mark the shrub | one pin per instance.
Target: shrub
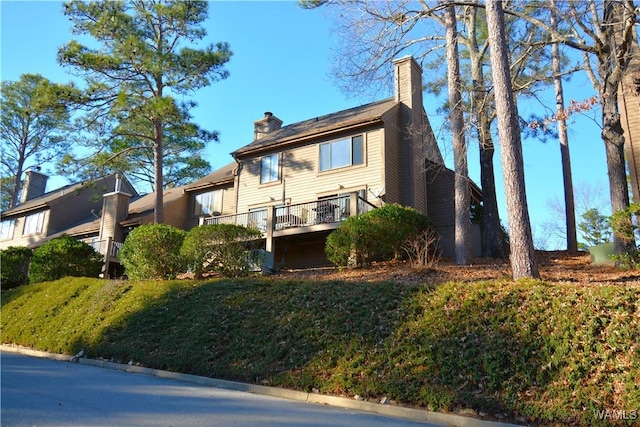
(15, 266)
(227, 249)
(153, 252)
(64, 256)
(376, 235)
(625, 225)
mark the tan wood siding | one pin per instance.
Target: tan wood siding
(30, 240)
(392, 157)
(174, 213)
(300, 181)
(629, 102)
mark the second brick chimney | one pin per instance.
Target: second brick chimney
(34, 185)
(267, 124)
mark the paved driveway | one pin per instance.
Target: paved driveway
(42, 392)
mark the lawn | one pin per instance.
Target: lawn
(453, 339)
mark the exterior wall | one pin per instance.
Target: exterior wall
(441, 211)
(301, 180)
(30, 240)
(228, 203)
(392, 159)
(174, 213)
(115, 208)
(62, 212)
(413, 124)
(629, 104)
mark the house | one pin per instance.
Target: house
(295, 183)
(298, 182)
(629, 107)
(41, 215)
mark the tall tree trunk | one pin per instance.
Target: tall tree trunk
(492, 241)
(569, 206)
(17, 183)
(523, 261)
(158, 213)
(610, 69)
(462, 198)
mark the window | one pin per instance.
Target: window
(6, 229)
(208, 203)
(341, 153)
(33, 223)
(269, 169)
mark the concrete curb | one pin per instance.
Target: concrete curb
(439, 418)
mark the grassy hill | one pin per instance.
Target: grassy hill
(528, 351)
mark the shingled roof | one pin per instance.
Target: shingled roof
(318, 126)
(219, 176)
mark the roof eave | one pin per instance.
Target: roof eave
(296, 139)
(229, 180)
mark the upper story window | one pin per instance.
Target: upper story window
(33, 223)
(6, 229)
(341, 153)
(269, 170)
(209, 203)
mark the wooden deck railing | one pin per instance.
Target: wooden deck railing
(107, 247)
(325, 211)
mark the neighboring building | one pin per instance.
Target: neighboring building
(40, 215)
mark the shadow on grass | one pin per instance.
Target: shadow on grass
(547, 352)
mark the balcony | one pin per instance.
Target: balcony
(108, 248)
(318, 215)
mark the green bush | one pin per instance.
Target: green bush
(625, 225)
(153, 252)
(376, 235)
(227, 249)
(15, 266)
(64, 256)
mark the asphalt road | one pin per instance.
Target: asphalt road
(43, 392)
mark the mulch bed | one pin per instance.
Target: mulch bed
(555, 267)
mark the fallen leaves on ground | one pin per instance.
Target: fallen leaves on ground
(555, 267)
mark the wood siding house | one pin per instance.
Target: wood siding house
(629, 105)
(298, 182)
(40, 216)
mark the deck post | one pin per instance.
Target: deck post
(353, 203)
(269, 261)
(106, 251)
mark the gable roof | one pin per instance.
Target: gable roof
(322, 125)
(221, 176)
(99, 185)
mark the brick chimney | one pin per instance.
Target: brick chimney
(417, 138)
(34, 185)
(267, 124)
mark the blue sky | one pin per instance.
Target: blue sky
(281, 62)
